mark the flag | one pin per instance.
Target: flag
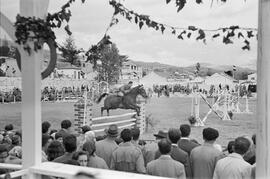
(234, 68)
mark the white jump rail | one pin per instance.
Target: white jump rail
(113, 117)
(116, 122)
(120, 127)
(10, 166)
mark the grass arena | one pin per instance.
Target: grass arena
(163, 112)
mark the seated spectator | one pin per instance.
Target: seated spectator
(127, 157)
(185, 143)
(165, 166)
(104, 148)
(234, 166)
(55, 149)
(203, 158)
(45, 127)
(94, 160)
(70, 145)
(81, 157)
(177, 153)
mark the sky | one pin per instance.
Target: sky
(90, 20)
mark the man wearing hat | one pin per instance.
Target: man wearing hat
(105, 148)
(149, 151)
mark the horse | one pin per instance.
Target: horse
(128, 101)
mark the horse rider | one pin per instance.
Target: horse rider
(125, 89)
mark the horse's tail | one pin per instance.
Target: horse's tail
(102, 96)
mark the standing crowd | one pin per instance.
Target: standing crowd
(173, 154)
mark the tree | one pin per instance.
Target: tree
(198, 66)
(109, 63)
(70, 52)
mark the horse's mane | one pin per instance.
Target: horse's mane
(134, 89)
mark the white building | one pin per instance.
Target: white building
(67, 70)
(252, 77)
(220, 78)
(130, 72)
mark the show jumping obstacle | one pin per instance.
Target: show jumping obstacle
(84, 116)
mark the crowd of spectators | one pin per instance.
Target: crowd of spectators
(172, 154)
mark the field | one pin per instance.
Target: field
(165, 112)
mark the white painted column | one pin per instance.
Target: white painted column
(263, 98)
(31, 94)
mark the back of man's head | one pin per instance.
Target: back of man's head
(164, 146)
(174, 135)
(126, 135)
(210, 134)
(185, 130)
(65, 124)
(45, 127)
(70, 143)
(135, 133)
(9, 127)
(241, 145)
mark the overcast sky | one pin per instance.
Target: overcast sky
(90, 20)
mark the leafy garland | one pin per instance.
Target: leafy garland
(226, 33)
(35, 29)
(180, 4)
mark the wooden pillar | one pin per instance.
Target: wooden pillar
(263, 98)
(31, 94)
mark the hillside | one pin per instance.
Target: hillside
(206, 69)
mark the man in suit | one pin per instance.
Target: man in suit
(149, 150)
(165, 166)
(127, 157)
(204, 158)
(185, 143)
(177, 153)
(105, 147)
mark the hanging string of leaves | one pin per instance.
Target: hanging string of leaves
(180, 4)
(227, 34)
(34, 29)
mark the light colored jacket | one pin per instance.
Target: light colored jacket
(128, 158)
(233, 167)
(165, 166)
(105, 148)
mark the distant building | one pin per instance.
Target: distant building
(220, 78)
(130, 72)
(66, 70)
(252, 77)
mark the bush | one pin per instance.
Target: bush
(192, 120)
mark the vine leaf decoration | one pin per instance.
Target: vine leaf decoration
(226, 34)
